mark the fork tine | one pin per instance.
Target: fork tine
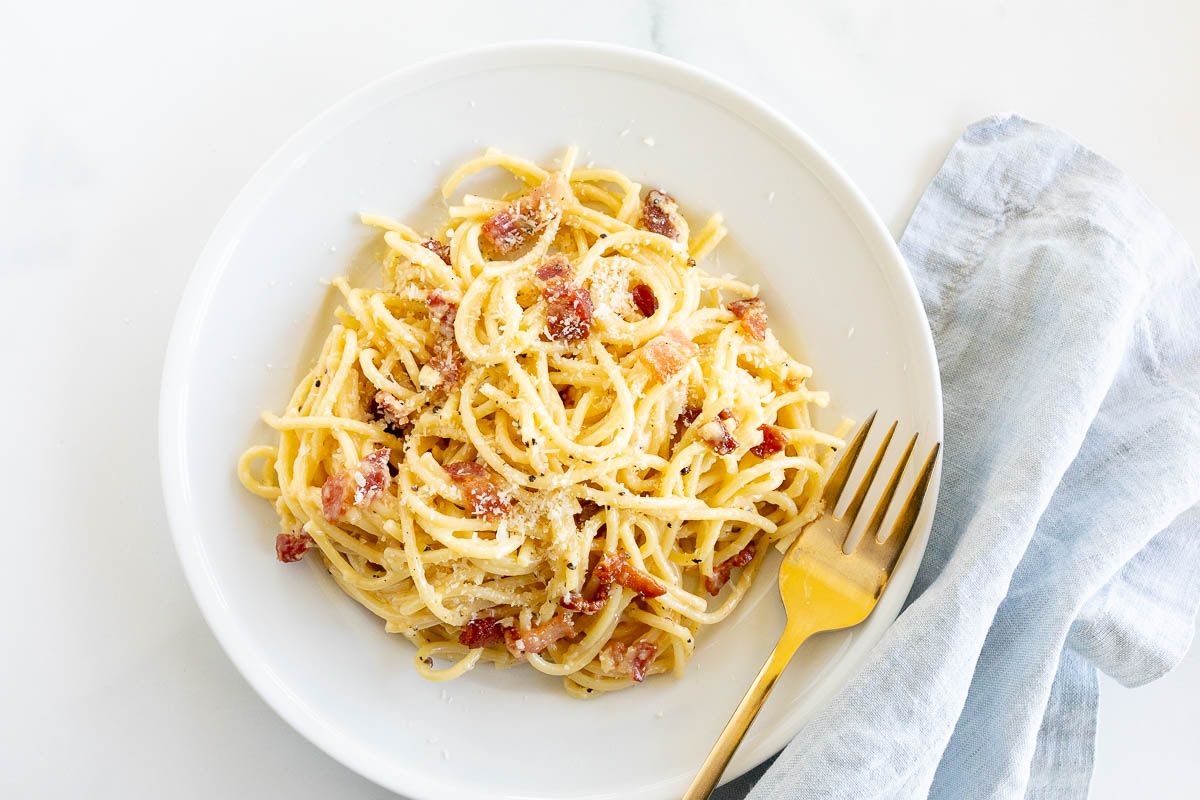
(906, 520)
(865, 484)
(841, 472)
(889, 491)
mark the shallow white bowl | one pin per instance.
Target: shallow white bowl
(254, 313)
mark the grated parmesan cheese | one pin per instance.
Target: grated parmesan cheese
(609, 288)
(413, 292)
(533, 515)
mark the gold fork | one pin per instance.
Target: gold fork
(823, 587)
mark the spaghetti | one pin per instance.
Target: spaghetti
(547, 438)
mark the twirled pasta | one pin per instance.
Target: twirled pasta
(598, 459)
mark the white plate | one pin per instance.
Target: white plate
(254, 313)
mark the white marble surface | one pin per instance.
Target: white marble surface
(128, 127)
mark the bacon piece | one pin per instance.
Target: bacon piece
(442, 312)
(481, 632)
(536, 639)
(460, 470)
(615, 567)
(634, 578)
(523, 218)
(391, 411)
(612, 569)
(439, 249)
(660, 214)
(588, 509)
(568, 311)
(447, 359)
(444, 370)
(291, 547)
(358, 486)
(720, 574)
(773, 442)
(569, 307)
(630, 661)
(555, 266)
(644, 299)
(685, 419)
(506, 230)
(483, 496)
(577, 602)
(753, 314)
(336, 495)
(668, 353)
(717, 433)
(371, 478)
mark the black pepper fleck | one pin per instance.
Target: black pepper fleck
(531, 478)
(686, 470)
(570, 566)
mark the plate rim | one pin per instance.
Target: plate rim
(210, 266)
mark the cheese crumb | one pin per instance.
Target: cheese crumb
(533, 515)
(429, 377)
(608, 286)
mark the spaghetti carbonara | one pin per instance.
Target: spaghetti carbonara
(550, 437)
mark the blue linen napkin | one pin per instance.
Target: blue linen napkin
(1066, 313)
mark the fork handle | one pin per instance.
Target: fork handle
(735, 730)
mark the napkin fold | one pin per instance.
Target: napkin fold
(1066, 313)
